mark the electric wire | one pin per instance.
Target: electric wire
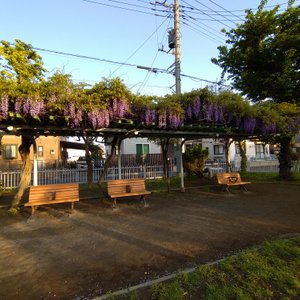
(130, 56)
(148, 74)
(124, 8)
(134, 5)
(216, 12)
(226, 10)
(203, 33)
(154, 70)
(208, 30)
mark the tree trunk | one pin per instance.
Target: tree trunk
(285, 158)
(164, 149)
(88, 141)
(228, 142)
(24, 151)
(242, 146)
(116, 140)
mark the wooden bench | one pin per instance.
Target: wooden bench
(227, 180)
(52, 194)
(127, 188)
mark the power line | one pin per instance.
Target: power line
(226, 10)
(84, 57)
(202, 32)
(154, 70)
(236, 10)
(124, 8)
(216, 12)
(199, 24)
(129, 57)
(205, 13)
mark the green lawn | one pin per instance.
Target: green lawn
(270, 272)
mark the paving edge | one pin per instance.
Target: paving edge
(186, 271)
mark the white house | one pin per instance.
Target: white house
(139, 146)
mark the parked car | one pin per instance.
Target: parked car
(81, 163)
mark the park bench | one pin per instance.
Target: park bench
(227, 180)
(127, 188)
(52, 194)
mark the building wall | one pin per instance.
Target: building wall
(129, 146)
(48, 152)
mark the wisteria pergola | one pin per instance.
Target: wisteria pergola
(124, 129)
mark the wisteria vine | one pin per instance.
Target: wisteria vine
(199, 111)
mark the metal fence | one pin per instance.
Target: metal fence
(10, 179)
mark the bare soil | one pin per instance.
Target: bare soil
(61, 255)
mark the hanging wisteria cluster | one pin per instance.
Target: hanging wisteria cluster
(118, 108)
(99, 118)
(29, 107)
(204, 111)
(4, 107)
(74, 115)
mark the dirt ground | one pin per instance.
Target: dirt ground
(58, 255)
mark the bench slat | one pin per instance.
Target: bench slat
(120, 188)
(230, 179)
(52, 194)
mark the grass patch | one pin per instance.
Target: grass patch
(272, 272)
(261, 176)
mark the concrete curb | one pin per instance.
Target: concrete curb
(186, 271)
(151, 282)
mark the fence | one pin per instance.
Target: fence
(10, 179)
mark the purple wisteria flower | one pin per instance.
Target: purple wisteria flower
(162, 120)
(249, 124)
(189, 112)
(174, 121)
(197, 109)
(118, 108)
(26, 106)
(36, 108)
(18, 106)
(4, 107)
(209, 114)
(98, 118)
(75, 117)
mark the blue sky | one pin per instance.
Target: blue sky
(131, 34)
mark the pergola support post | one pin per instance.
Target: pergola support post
(181, 150)
(35, 165)
(119, 161)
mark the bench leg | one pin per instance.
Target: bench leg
(114, 204)
(143, 200)
(32, 210)
(243, 187)
(225, 189)
(72, 205)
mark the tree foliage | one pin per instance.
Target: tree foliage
(262, 57)
(194, 159)
(20, 61)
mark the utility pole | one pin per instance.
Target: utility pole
(178, 83)
(177, 46)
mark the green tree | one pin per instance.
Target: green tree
(194, 159)
(21, 71)
(263, 62)
(20, 61)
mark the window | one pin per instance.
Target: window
(237, 148)
(218, 149)
(40, 151)
(52, 151)
(10, 151)
(142, 149)
(259, 150)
